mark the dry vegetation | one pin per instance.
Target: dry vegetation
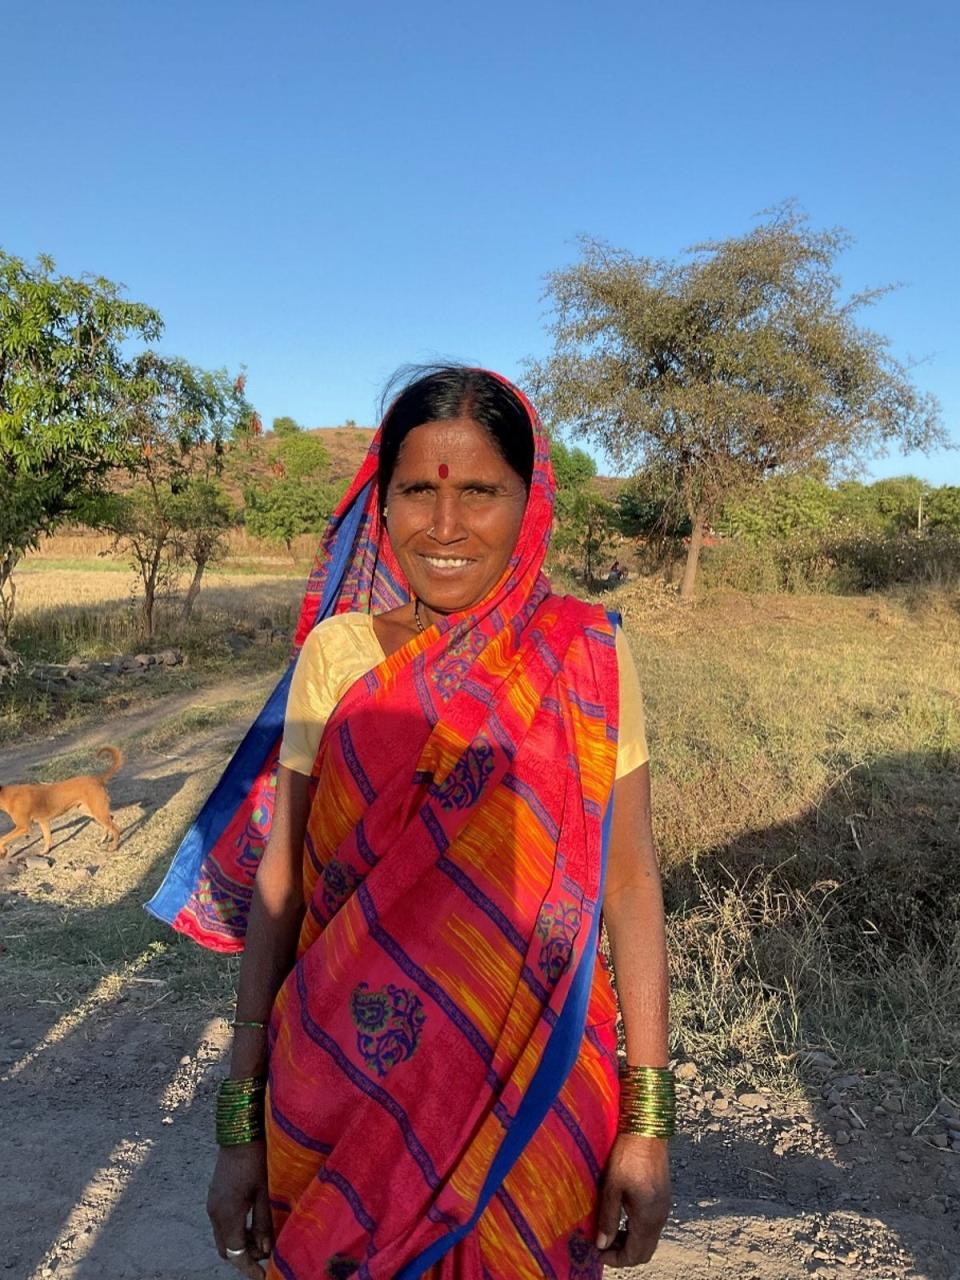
(805, 755)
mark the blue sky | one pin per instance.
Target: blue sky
(324, 193)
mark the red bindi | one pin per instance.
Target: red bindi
(443, 471)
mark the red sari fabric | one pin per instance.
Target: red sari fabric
(443, 1090)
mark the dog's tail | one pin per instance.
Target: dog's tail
(117, 761)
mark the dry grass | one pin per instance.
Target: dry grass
(807, 793)
(93, 615)
(806, 763)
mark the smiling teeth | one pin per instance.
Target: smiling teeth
(446, 562)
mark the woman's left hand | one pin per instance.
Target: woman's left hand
(636, 1183)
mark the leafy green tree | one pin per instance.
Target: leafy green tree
(886, 507)
(735, 363)
(287, 508)
(585, 526)
(65, 386)
(180, 423)
(303, 456)
(299, 499)
(572, 467)
(202, 515)
(285, 426)
(942, 509)
(784, 507)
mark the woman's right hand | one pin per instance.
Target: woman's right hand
(238, 1189)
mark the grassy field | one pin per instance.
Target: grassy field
(805, 760)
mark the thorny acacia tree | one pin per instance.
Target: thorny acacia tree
(737, 362)
(64, 385)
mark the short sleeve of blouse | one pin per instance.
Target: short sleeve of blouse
(632, 745)
(337, 652)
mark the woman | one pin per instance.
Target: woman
(454, 804)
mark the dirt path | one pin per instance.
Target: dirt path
(110, 1050)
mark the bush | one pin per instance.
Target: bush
(838, 563)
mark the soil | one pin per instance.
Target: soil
(108, 1097)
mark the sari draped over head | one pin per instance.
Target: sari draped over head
(443, 1090)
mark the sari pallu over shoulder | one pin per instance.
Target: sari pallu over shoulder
(454, 872)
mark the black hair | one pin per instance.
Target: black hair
(440, 392)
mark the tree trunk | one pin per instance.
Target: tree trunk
(149, 596)
(689, 580)
(8, 592)
(192, 591)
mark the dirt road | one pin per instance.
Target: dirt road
(112, 1037)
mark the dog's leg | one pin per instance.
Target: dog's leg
(10, 837)
(47, 834)
(99, 806)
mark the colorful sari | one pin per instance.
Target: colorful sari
(443, 1091)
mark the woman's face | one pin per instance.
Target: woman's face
(454, 509)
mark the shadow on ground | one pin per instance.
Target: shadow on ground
(108, 1149)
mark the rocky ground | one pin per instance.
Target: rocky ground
(108, 1085)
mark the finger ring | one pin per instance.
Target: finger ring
(235, 1253)
(623, 1222)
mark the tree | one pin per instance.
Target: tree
(942, 508)
(180, 423)
(299, 500)
(202, 515)
(287, 508)
(302, 456)
(586, 523)
(65, 384)
(285, 426)
(572, 467)
(737, 362)
(783, 507)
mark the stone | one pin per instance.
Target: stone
(847, 1082)
(906, 1157)
(170, 658)
(940, 1140)
(144, 660)
(686, 1071)
(38, 861)
(755, 1101)
(819, 1060)
(17, 1042)
(842, 1137)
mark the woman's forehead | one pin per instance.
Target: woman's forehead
(451, 442)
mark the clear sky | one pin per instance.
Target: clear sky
(323, 192)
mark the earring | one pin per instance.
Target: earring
(384, 515)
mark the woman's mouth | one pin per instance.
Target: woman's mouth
(446, 564)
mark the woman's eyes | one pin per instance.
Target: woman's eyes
(474, 492)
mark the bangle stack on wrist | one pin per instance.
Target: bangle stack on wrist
(240, 1111)
(648, 1106)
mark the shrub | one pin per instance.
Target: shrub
(835, 562)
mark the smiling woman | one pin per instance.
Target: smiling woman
(462, 786)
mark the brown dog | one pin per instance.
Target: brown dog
(41, 802)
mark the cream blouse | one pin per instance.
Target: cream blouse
(341, 649)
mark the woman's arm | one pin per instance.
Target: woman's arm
(273, 926)
(633, 913)
(238, 1190)
(637, 1178)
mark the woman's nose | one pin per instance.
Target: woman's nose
(447, 519)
